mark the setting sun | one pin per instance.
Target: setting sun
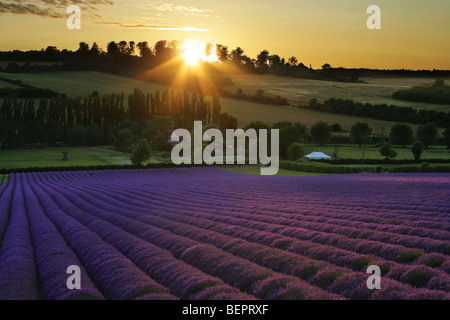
(193, 51)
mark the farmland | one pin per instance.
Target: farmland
(52, 157)
(151, 234)
(80, 84)
(301, 91)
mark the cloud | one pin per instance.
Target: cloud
(49, 8)
(91, 10)
(153, 27)
(167, 7)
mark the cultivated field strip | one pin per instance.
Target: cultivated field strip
(206, 233)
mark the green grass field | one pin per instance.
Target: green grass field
(78, 156)
(52, 157)
(371, 152)
(256, 170)
(80, 84)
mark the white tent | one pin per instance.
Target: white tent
(174, 139)
(317, 156)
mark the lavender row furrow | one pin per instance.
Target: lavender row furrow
(279, 261)
(114, 275)
(183, 280)
(18, 276)
(53, 256)
(235, 271)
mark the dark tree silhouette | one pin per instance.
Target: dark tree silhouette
(321, 132)
(401, 134)
(427, 134)
(359, 132)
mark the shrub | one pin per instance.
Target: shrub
(124, 140)
(416, 150)
(387, 151)
(295, 151)
(336, 127)
(141, 152)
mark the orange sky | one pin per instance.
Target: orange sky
(415, 34)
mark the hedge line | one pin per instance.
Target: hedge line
(380, 161)
(336, 169)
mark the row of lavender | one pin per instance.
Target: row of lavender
(419, 276)
(210, 234)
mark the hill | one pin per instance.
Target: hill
(81, 84)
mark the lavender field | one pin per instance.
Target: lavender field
(206, 233)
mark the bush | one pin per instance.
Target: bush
(387, 151)
(124, 140)
(141, 152)
(336, 127)
(295, 151)
(417, 150)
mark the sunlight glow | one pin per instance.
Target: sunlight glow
(195, 51)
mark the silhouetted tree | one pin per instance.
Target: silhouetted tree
(295, 151)
(447, 137)
(237, 56)
(222, 52)
(401, 134)
(416, 150)
(113, 49)
(261, 61)
(427, 134)
(289, 134)
(387, 151)
(293, 61)
(144, 49)
(95, 51)
(141, 152)
(321, 132)
(359, 132)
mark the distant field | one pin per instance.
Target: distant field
(301, 91)
(79, 84)
(354, 152)
(4, 84)
(52, 157)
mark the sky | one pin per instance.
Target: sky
(415, 34)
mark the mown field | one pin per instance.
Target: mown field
(80, 84)
(52, 157)
(151, 234)
(301, 91)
